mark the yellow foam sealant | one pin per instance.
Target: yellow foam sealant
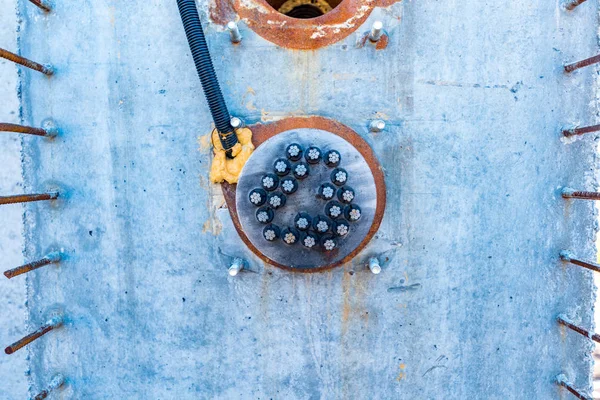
(225, 169)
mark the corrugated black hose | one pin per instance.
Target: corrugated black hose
(206, 72)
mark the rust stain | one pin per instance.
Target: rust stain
(293, 33)
(402, 373)
(381, 44)
(263, 132)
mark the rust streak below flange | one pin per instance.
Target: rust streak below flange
(294, 33)
(263, 132)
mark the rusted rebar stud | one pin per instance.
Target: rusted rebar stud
(234, 32)
(44, 69)
(566, 322)
(26, 198)
(583, 63)
(569, 193)
(581, 131)
(570, 5)
(562, 380)
(236, 266)
(51, 324)
(54, 384)
(50, 258)
(376, 31)
(43, 4)
(374, 266)
(567, 256)
(48, 129)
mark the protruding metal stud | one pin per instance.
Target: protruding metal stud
(54, 384)
(569, 193)
(48, 129)
(580, 131)
(562, 380)
(43, 4)
(566, 322)
(570, 5)
(376, 31)
(377, 125)
(236, 266)
(236, 123)
(583, 63)
(234, 32)
(44, 69)
(51, 324)
(26, 198)
(50, 258)
(374, 265)
(567, 256)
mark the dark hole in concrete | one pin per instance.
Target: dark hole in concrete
(304, 9)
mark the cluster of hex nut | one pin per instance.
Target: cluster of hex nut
(313, 232)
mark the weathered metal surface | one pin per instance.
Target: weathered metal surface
(304, 199)
(293, 33)
(263, 132)
(474, 99)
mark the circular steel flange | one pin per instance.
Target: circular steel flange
(306, 199)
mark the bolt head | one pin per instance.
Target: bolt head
(294, 151)
(313, 155)
(289, 185)
(265, 215)
(269, 182)
(271, 232)
(257, 197)
(352, 213)
(290, 236)
(346, 194)
(301, 170)
(332, 158)
(276, 200)
(339, 176)
(282, 167)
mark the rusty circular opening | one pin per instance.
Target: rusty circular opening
(304, 9)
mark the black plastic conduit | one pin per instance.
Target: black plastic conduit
(206, 72)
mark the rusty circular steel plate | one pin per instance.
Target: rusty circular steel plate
(357, 158)
(305, 199)
(293, 33)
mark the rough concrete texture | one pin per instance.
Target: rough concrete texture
(13, 315)
(474, 97)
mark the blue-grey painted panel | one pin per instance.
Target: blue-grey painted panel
(474, 96)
